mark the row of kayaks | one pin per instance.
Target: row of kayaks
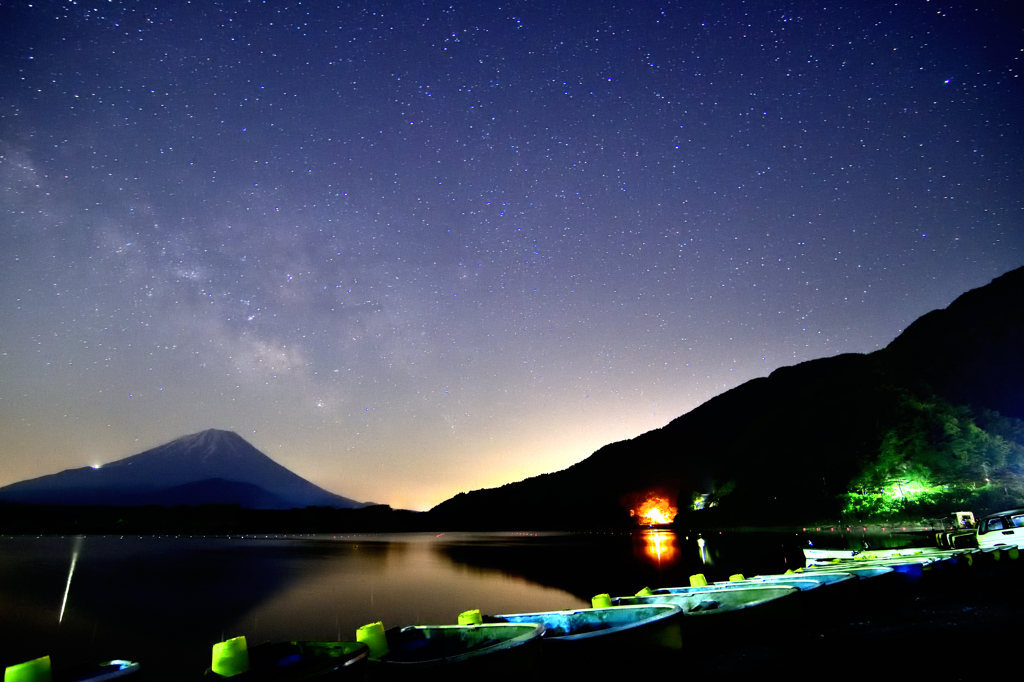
(511, 646)
(852, 557)
(650, 621)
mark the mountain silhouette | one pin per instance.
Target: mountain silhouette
(210, 467)
(786, 447)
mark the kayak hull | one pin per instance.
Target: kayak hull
(307, 660)
(497, 650)
(650, 626)
(707, 611)
(580, 641)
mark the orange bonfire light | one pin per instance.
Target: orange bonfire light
(655, 510)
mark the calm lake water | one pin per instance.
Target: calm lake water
(164, 601)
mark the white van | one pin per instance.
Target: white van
(1002, 528)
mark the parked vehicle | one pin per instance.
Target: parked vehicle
(1001, 528)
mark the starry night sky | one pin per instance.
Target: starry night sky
(413, 248)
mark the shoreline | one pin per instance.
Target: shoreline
(937, 625)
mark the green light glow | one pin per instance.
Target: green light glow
(895, 496)
(937, 457)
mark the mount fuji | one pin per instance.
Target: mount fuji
(209, 467)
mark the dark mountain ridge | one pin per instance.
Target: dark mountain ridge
(792, 445)
(210, 467)
(971, 352)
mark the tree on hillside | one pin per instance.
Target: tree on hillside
(938, 456)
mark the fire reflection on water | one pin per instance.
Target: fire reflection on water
(660, 546)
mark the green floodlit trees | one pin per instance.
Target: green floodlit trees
(938, 457)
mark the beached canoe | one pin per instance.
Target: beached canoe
(910, 568)
(802, 584)
(802, 581)
(718, 601)
(847, 565)
(862, 572)
(108, 670)
(814, 556)
(39, 669)
(644, 626)
(603, 642)
(295, 661)
(501, 650)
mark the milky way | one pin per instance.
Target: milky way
(414, 248)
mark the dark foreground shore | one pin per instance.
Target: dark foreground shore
(955, 622)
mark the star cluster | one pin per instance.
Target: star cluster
(414, 248)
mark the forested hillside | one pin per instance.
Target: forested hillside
(929, 424)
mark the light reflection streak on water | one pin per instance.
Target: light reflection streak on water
(660, 545)
(71, 572)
